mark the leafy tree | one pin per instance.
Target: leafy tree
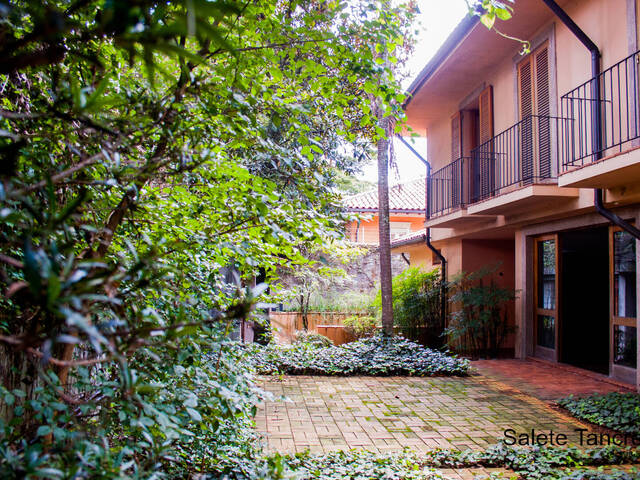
(146, 148)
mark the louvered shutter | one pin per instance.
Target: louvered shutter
(543, 110)
(525, 88)
(456, 153)
(485, 102)
(525, 97)
(486, 161)
(456, 136)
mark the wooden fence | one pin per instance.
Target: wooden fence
(329, 324)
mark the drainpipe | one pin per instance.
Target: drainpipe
(596, 115)
(443, 280)
(437, 253)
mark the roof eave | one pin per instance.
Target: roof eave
(408, 241)
(391, 210)
(453, 40)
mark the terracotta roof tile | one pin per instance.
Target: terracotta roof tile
(403, 198)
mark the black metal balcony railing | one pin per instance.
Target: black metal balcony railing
(447, 188)
(526, 153)
(618, 110)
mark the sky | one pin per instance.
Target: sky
(437, 20)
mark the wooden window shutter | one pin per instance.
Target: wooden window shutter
(456, 136)
(525, 88)
(542, 82)
(485, 114)
(543, 110)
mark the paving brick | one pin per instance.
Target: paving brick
(390, 413)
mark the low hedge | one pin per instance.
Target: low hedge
(617, 411)
(379, 356)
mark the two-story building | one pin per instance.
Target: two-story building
(536, 165)
(406, 212)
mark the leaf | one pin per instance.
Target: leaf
(194, 414)
(488, 20)
(43, 430)
(503, 13)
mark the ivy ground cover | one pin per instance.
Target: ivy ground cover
(549, 463)
(617, 411)
(378, 356)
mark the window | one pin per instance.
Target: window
(399, 229)
(546, 268)
(624, 274)
(624, 291)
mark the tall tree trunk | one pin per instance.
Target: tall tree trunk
(386, 291)
(385, 234)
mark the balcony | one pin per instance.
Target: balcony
(609, 157)
(513, 172)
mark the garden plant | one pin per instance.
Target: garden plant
(378, 355)
(417, 305)
(617, 411)
(479, 322)
(538, 463)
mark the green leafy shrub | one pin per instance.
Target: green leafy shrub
(528, 463)
(360, 326)
(378, 355)
(480, 324)
(312, 339)
(417, 305)
(361, 465)
(618, 411)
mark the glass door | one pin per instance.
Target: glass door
(623, 300)
(546, 297)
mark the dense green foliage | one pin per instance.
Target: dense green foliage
(618, 411)
(311, 339)
(361, 465)
(360, 326)
(417, 305)
(479, 322)
(154, 154)
(377, 355)
(539, 463)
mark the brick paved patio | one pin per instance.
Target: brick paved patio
(390, 413)
(548, 381)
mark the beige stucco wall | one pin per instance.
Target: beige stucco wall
(605, 21)
(613, 26)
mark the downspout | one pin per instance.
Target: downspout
(596, 118)
(436, 252)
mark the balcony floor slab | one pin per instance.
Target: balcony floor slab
(613, 171)
(522, 199)
(458, 218)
